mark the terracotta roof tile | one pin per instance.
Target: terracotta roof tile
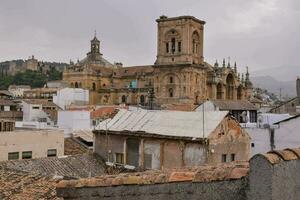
(206, 173)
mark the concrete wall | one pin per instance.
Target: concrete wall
(260, 140)
(280, 181)
(37, 141)
(287, 135)
(73, 120)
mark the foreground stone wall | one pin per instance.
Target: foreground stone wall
(225, 190)
(272, 176)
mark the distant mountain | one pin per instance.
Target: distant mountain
(283, 73)
(288, 88)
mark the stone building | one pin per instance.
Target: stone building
(179, 75)
(166, 139)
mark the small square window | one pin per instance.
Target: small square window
(119, 158)
(13, 156)
(252, 145)
(224, 158)
(26, 154)
(51, 153)
(232, 157)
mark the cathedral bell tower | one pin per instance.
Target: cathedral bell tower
(95, 54)
(179, 40)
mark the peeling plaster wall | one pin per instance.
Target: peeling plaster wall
(229, 138)
(194, 155)
(153, 148)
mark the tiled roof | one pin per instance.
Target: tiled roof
(165, 123)
(277, 156)
(104, 112)
(77, 166)
(206, 173)
(6, 102)
(16, 184)
(71, 147)
(234, 105)
(43, 102)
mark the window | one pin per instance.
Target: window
(13, 156)
(35, 107)
(171, 79)
(253, 116)
(51, 153)
(171, 92)
(119, 158)
(252, 145)
(224, 158)
(94, 86)
(232, 157)
(173, 45)
(179, 46)
(123, 99)
(26, 154)
(167, 47)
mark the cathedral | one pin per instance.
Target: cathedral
(179, 75)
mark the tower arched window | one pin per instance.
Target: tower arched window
(167, 47)
(173, 42)
(94, 86)
(171, 79)
(76, 85)
(171, 92)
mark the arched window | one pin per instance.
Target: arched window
(173, 45)
(94, 86)
(229, 86)
(195, 42)
(167, 47)
(123, 99)
(219, 91)
(142, 99)
(171, 94)
(76, 85)
(72, 85)
(171, 79)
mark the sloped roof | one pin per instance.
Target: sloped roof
(15, 184)
(77, 166)
(166, 123)
(234, 104)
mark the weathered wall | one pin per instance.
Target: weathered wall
(226, 190)
(229, 138)
(273, 178)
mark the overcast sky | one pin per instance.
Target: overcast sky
(257, 33)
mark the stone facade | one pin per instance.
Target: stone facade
(179, 76)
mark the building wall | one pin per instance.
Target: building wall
(287, 135)
(229, 139)
(70, 120)
(30, 140)
(260, 140)
(157, 153)
(68, 96)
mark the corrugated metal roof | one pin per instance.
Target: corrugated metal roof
(162, 122)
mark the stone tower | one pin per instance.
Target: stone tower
(95, 54)
(179, 40)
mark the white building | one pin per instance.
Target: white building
(242, 110)
(18, 90)
(67, 96)
(35, 110)
(72, 120)
(265, 133)
(31, 143)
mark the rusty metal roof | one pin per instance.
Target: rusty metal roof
(165, 123)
